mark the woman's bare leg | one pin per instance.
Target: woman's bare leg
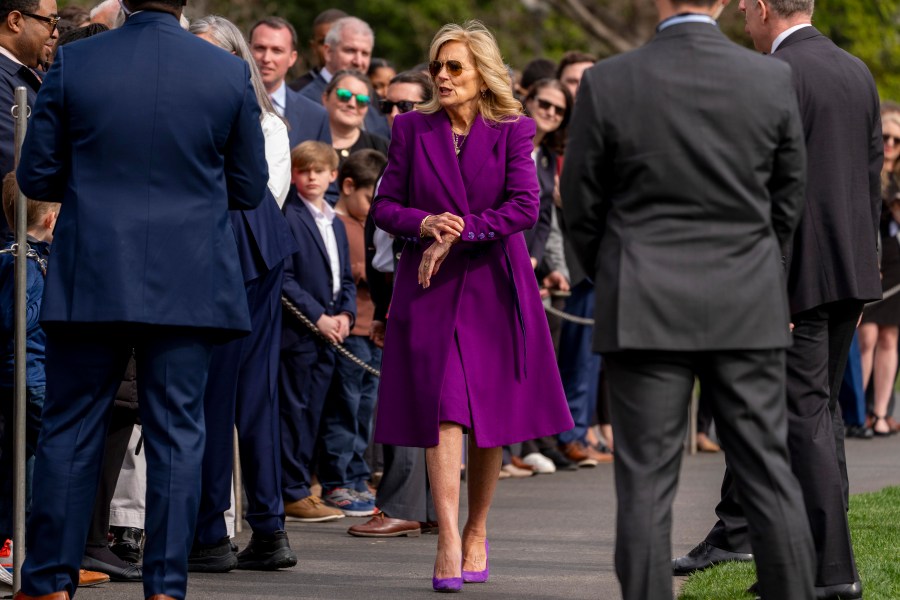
(481, 480)
(443, 463)
(885, 369)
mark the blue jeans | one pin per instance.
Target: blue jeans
(579, 366)
(34, 404)
(347, 419)
(853, 397)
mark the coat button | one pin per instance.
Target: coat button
(491, 234)
(480, 236)
(471, 235)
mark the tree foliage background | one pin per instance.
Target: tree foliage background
(528, 29)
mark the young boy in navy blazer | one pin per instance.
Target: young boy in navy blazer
(318, 281)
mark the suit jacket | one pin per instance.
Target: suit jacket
(375, 122)
(536, 237)
(12, 75)
(683, 183)
(484, 299)
(835, 251)
(308, 119)
(146, 180)
(307, 276)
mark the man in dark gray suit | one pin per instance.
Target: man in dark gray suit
(683, 183)
(832, 270)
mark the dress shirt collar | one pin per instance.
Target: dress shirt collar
(279, 98)
(326, 74)
(787, 32)
(325, 217)
(10, 56)
(686, 18)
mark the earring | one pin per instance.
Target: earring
(483, 93)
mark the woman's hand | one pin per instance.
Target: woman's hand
(437, 225)
(431, 261)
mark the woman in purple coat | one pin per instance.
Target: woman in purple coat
(467, 345)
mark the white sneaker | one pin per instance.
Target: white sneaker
(539, 462)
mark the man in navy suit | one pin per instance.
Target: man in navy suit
(26, 40)
(273, 42)
(144, 258)
(348, 45)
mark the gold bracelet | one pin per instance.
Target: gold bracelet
(422, 232)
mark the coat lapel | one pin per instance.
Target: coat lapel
(438, 146)
(477, 150)
(307, 219)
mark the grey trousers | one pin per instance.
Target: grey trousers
(404, 492)
(650, 392)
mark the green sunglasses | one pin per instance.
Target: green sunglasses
(344, 95)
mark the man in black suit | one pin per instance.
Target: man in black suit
(833, 271)
(683, 183)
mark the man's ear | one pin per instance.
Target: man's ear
(14, 21)
(763, 10)
(347, 186)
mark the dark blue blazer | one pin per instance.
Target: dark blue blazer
(307, 275)
(375, 122)
(308, 120)
(147, 135)
(12, 76)
(263, 237)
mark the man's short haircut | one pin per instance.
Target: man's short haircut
(7, 6)
(539, 68)
(703, 3)
(310, 153)
(276, 23)
(137, 5)
(353, 24)
(573, 58)
(787, 8)
(416, 78)
(34, 210)
(328, 16)
(363, 168)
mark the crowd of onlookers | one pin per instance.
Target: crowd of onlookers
(330, 132)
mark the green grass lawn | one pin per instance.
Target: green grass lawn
(875, 527)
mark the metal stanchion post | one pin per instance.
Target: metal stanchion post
(20, 112)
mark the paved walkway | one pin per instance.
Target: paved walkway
(551, 538)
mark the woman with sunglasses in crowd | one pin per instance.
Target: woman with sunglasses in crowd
(549, 103)
(405, 91)
(347, 98)
(878, 332)
(467, 347)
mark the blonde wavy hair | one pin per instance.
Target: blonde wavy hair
(498, 102)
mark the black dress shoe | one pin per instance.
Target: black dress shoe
(267, 553)
(704, 556)
(842, 591)
(127, 543)
(212, 558)
(562, 463)
(117, 569)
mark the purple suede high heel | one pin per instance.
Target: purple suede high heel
(480, 576)
(447, 584)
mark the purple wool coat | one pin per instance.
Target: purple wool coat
(485, 291)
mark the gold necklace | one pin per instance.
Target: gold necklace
(457, 145)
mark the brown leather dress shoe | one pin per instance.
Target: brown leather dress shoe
(381, 525)
(53, 596)
(893, 424)
(160, 597)
(704, 444)
(91, 578)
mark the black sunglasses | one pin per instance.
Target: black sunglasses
(344, 95)
(545, 105)
(404, 106)
(52, 20)
(454, 67)
(889, 138)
